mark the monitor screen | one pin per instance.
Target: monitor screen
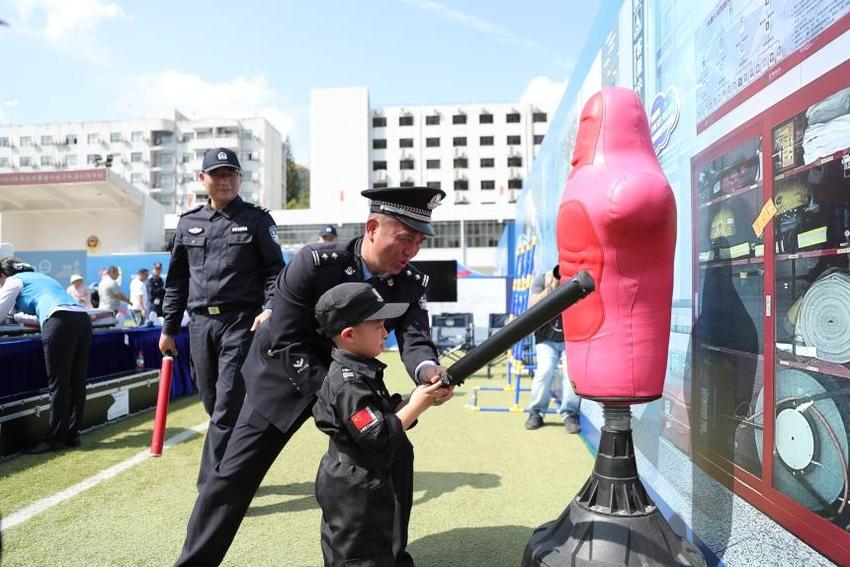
(443, 283)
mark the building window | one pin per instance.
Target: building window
(204, 134)
(433, 185)
(93, 138)
(47, 140)
(487, 185)
(432, 120)
(246, 134)
(432, 142)
(488, 162)
(70, 160)
(448, 235)
(461, 162)
(432, 164)
(406, 120)
(4, 142)
(136, 157)
(26, 141)
(244, 156)
(538, 139)
(405, 142)
(538, 117)
(93, 159)
(46, 160)
(406, 184)
(186, 158)
(405, 164)
(459, 119)
(515, 183)
(137, 136)
(379, 165)
(485, 118)
(512, 118)
(71, 139)
(379, 121)
(25, 161)
(136, 178)
(186, 178)
(379, 144)
(483, 233)
(115, 136)
(459, 141)
(486, 140)
(188, 137)
(166, 160)
(379, 185)
(515, 161)
(461, 184)
(514, 140)
(4, 161)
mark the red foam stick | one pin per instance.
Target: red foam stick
(162, 405)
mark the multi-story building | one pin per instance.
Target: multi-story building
(479, 154)
(161, 157)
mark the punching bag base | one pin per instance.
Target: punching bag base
(612, 521)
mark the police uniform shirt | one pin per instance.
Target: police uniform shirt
(289, 358)
(354, 408)
(225, 259)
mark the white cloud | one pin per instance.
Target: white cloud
(495, 31)
(161, 93)
(70, 25)
(543, 92)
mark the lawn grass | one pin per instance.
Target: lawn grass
(482, 484)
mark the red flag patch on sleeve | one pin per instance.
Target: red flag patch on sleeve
(364, 418)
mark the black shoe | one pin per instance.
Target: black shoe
(534, 421)
(404, 560)
(73, 441)
(571, 423)
(43, 447)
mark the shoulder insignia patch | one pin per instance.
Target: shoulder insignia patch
(348, 374)
(412, 274)
(256, 206)
(322, 257)
(192, 210)
(364, 419)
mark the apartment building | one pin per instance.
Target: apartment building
(161, 157)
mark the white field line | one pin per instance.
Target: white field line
(40, 506)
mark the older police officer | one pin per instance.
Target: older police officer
(224, 261)
(289, 360)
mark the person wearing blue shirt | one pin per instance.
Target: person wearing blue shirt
(66, 336)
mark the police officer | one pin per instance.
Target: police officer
(289, 359)
(224, 260)
(327, 234)
(156, 289)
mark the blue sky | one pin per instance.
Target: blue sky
(81, 60)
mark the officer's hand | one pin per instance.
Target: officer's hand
(167, 344)
(259, 319)
(431, 374)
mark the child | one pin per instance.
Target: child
(354, 484)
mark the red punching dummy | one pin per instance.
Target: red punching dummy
(617, 221)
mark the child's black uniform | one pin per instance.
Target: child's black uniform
(354, 484)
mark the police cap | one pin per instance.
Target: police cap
(220, 157)
(349, 304)
(329, 230)
(410, 205)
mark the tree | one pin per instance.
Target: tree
(297, 181)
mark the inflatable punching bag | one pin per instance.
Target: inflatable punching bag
(616, 221)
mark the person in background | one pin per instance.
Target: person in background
(327, 234)
(549, 350)
(139, 297)
(110, 292)
(66, 336)
(80, 291)
(156, 289)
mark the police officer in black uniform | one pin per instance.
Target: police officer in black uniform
(224, 261)
(289, 359)
(156, 288)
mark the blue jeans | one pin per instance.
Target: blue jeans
(549, 353)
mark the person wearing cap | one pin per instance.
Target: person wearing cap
(66, 337)
(225, 257)
(365, 425)
(327, 234)
(156, 289)
(80, 291)
(289, 359)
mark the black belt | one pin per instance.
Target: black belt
(222, 308)
(357, 457)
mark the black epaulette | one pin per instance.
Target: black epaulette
(259, 207)
(411, 273)
(348, 375)
(330, 257)
(192, 210)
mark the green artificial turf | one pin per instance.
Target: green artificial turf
(482, 484)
